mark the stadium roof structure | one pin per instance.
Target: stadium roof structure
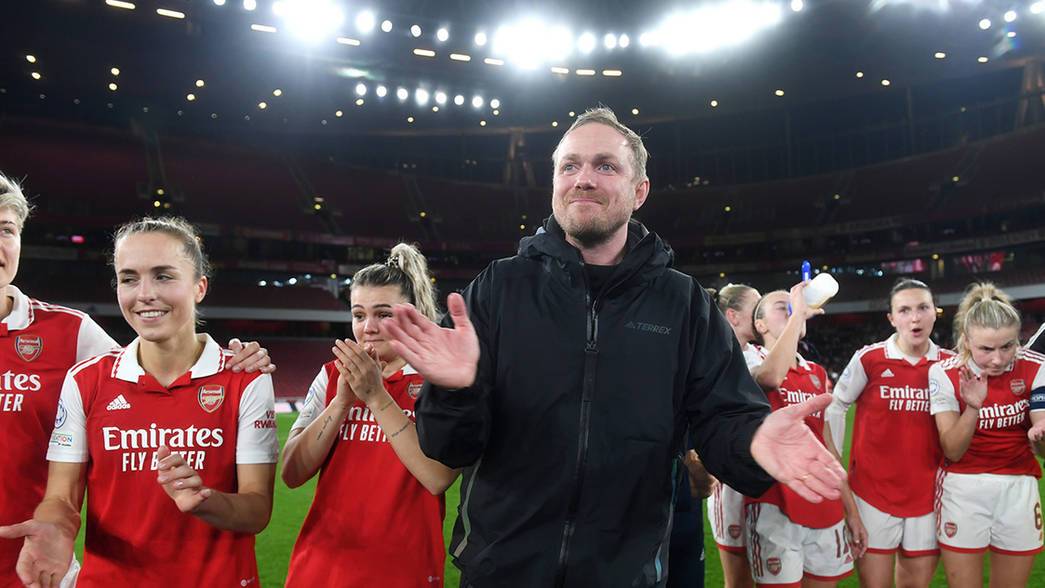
(409, 67)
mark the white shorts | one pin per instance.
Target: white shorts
(911, 536)
(996, 511)
(726, 515)
(782, 552)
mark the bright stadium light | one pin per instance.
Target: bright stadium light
(386, 26)
(219, 2)
(797, 5)
(480, 38)
(495, 103)
(985, 24)
(421, 96)
(459, 100)
(529, 43)
(440, 98)
(415, 30)
(586, 43)
(623, 41)
(360, 89)
(609, 41)
(1037, 8)
(1011, 16)
(402, 94)
(442, 35)
(381, 91)
(477, 102)
(714, 26)
(310, 20)
(250, 4)
(365, 21)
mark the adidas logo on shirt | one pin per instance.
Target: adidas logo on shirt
(118, 403)
(888, 373)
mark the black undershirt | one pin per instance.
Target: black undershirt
(598, 275)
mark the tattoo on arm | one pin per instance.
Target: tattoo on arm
(324, 427)
(401, 429)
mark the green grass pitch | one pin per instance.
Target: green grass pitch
(291, 506)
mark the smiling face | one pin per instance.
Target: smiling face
(912, 313)
(157, 286)
(594, 191)
(370, 306)
(993, 349)
(10, 246)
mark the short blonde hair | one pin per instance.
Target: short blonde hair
(11, 197)
(604, 116)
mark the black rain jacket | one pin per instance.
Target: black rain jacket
(571, 436)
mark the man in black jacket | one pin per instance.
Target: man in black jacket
(569, 378)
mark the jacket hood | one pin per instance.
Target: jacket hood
(646, 255)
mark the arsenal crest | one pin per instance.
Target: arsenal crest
(211, 396)
(29, 347)
(414, 390)
(951, 529)
(773, 564)
(734, 531)
(1018, 387)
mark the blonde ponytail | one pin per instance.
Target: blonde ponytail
(984, 306)
(406, 268)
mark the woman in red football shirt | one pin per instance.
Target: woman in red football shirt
(984, 401)
(895, 455)
(377, 517)
(791, 541)
(155, 517)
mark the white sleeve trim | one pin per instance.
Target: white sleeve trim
(941, 391)
(92, 340)
(256, 441)
(315, 401)
(69, 439)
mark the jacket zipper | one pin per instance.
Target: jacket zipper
(591, 353)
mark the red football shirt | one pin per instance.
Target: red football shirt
(371, 522)
(999, 445)
(113, 416)
(802, 382)
(39, 342)
(896, 449)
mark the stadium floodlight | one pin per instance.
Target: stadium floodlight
(797, 5)
(623, 41)
(250, 4)
(646, 39)
(170, 13)
(1011, 16)
(477, 101)
(421, 96)
(310, 20)
(586, 43)
(415, 30)
(480, 39)
(713, 26)
(402, 94)
(219, 2)
(440, 98)
(459, 100)
(35, 75)
(609, 41)
(495, 103)
(1037, 8)
(360, 89)
(386, 26)
(529, 43)
(442, 35)
(381, 91)
(985, 24)
(365, 21)
(120, 4)
(940, 55)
